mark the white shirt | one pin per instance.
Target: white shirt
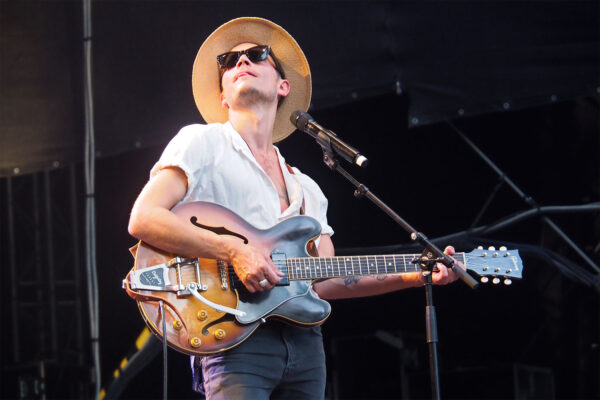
(220, 168)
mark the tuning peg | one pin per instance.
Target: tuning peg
(491, 248)
(495, 254)
(507, 254)
(479, 247)
(507, 282)
(502, 248)
(484, 279)
(496, 281)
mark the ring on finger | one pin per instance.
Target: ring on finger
(263, 283)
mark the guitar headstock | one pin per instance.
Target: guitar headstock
(497, 264)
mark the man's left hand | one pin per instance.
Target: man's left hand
(444, 275)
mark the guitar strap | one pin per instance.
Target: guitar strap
(302, 208)
(311, 247)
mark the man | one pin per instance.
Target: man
(248, 77)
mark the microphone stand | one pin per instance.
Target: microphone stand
(430, 256)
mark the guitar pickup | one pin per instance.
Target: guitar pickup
(280, 262)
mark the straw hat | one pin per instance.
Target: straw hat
(205, 75)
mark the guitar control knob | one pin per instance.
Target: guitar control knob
(496, 281)
(484, 279)
(220, 334)
(177, 325)
(195, 342)
(507, 282)
(202, 315)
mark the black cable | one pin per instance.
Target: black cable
(164, 329)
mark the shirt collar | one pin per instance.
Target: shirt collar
(294, 188)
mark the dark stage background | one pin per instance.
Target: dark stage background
(399, 81)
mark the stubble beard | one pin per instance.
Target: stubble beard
(252, 96)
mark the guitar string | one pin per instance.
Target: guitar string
(356, 263)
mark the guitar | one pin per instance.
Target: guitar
(207, 308)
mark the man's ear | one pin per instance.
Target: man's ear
(284, 88)
(224, 103)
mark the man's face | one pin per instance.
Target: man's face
(249, 83)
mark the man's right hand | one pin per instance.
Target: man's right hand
(254, 267)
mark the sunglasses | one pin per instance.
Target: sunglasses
(255, 54)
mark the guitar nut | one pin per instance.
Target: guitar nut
(220, 334)
(177, 325)
(195, 342)
(202, 315)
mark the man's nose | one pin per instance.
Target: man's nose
(243, 60)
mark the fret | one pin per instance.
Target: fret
(301, 264)
(387, 263)
(296, 268)
(383, 263)
(372, 261)
(310, 268)
(321, 262)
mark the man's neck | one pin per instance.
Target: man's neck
(256, 128)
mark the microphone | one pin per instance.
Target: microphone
(304, 122)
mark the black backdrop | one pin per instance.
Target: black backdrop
(451, 59)
(469, 56)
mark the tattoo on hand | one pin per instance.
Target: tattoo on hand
(381, 277)
(349, 280)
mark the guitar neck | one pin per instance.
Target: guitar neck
(306, 268)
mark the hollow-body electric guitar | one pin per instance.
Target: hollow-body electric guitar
(209, 310)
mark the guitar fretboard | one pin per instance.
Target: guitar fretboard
(304, 268)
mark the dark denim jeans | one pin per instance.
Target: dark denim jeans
(277, 361)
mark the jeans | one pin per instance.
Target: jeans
(277, 361)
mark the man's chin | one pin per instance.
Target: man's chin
(250, 95)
